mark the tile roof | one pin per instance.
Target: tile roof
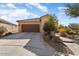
(33, 19)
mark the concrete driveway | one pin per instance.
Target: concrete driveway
(36, 46)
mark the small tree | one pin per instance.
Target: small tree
(2, 30)
(51, 25)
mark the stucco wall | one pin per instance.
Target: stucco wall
(43, 20)
(9, 27)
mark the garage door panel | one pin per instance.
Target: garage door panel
(30, 28)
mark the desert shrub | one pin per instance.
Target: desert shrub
(2, 30)
(62, 32)
(74, 27)
(68, 30)
(64, 29)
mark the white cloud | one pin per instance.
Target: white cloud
(28, 5)
(1, 5)
(61, 8)
(22, 13)
(61, 14)
(2, 12)
(13, 15)
(38, 5)
(8, 5)
(11, 5)
(4, 17)
(18, 12)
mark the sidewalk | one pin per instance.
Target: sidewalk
(14, 47)
(14, 51)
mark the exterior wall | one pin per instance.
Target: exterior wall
(43, 20)
(9, 27)
(14, 29)
(19, 27)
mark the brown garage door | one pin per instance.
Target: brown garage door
(30, 28)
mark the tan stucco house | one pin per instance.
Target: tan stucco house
(9, 26)
(32, 25)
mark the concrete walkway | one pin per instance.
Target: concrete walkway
(14, 51)
(36, 46)
(14, 47)
(14, 42)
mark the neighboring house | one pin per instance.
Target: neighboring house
(32, 25)
(9, 26)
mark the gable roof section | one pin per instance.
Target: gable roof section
(6, 22)
(45, 15)
(33, 19)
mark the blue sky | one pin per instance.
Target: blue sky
(19, 11)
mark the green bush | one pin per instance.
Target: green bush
(47, 27)
(68, 30)
(62, 32)
(64, 29)
(51, 24)
(74, 27)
